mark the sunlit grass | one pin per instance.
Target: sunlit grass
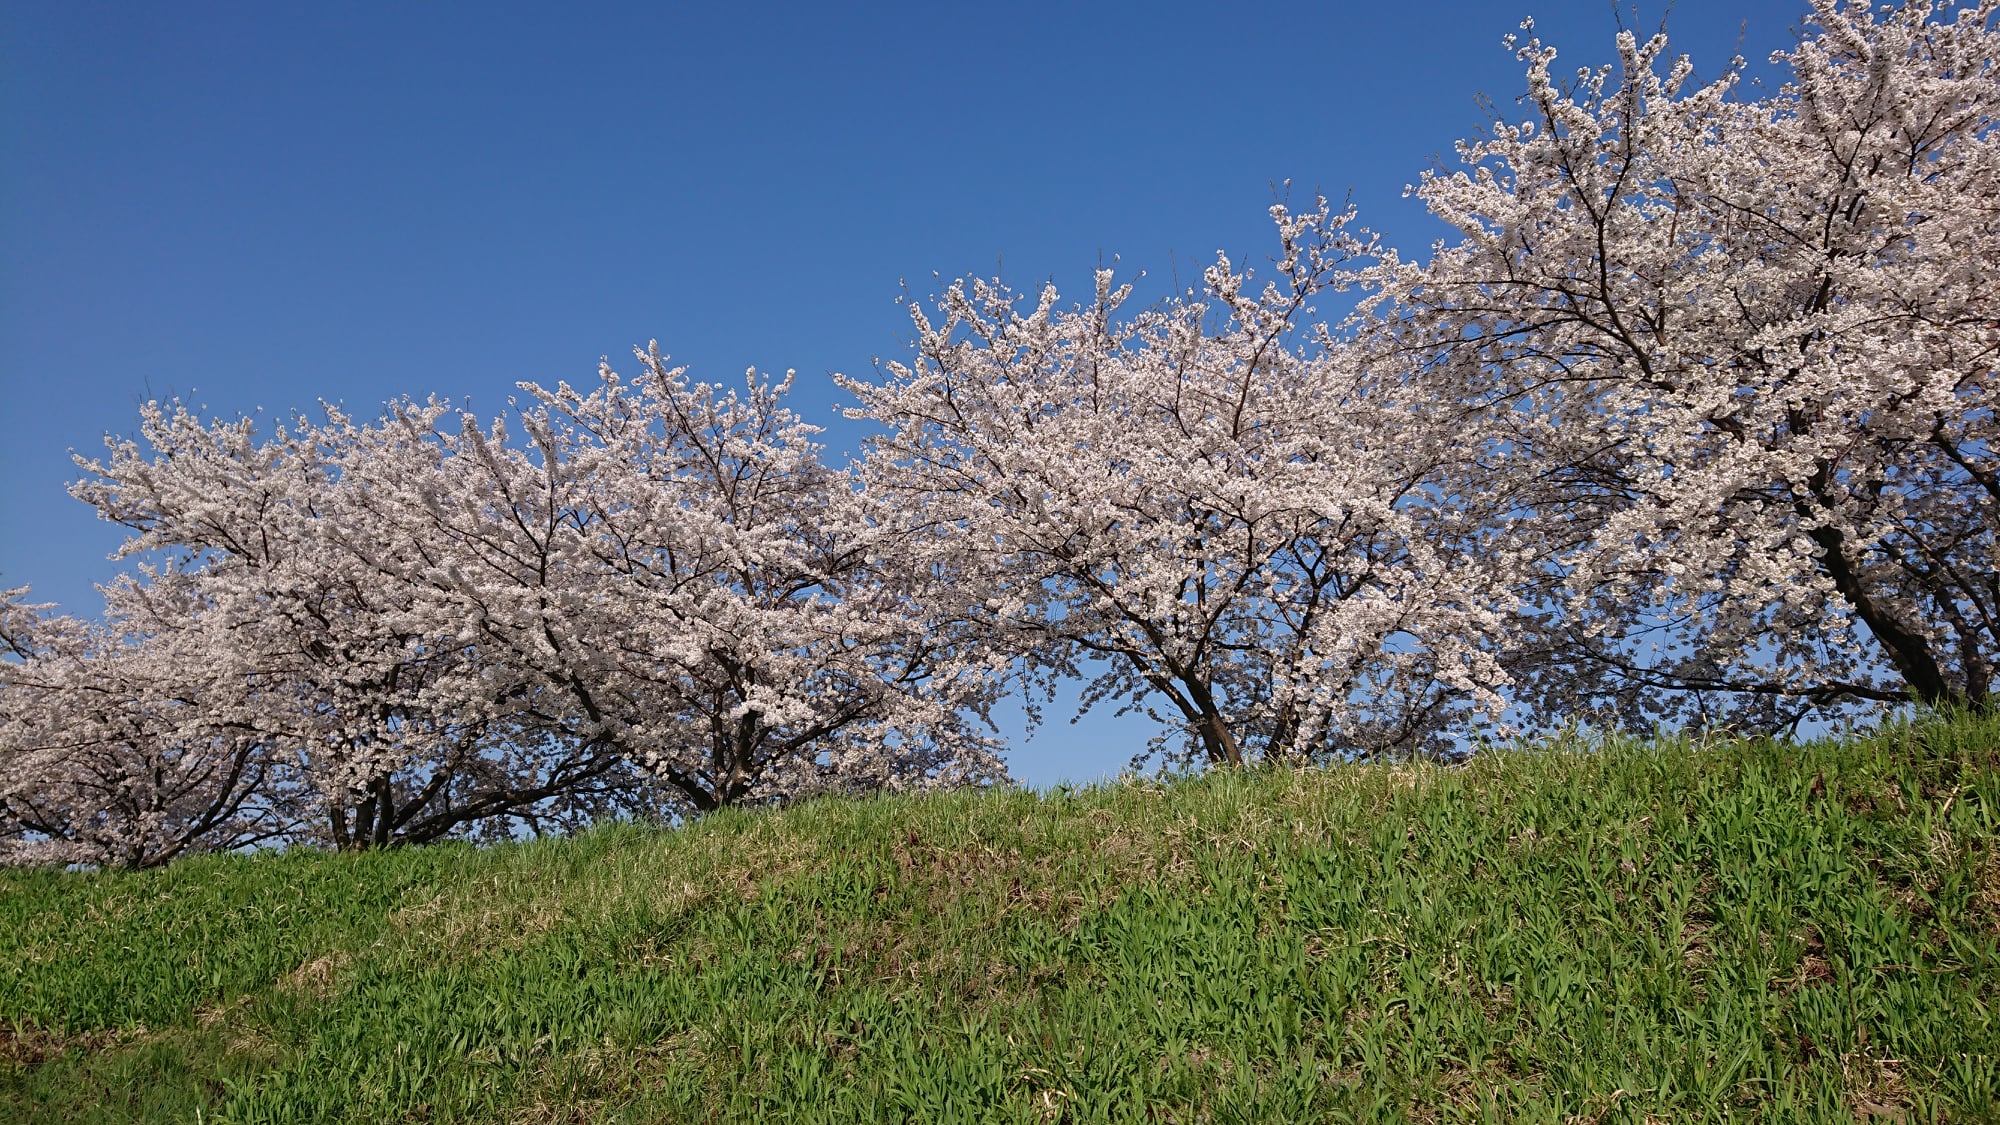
(1794, 933)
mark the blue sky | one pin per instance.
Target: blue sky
(261, 206)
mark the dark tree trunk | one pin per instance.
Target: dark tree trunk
(1908, 651)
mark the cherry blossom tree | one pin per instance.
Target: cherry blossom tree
(678, 573)
(1204, 495)
(1732, 357)
(108, 756)
(397, 731)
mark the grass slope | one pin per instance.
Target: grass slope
(1747, 930)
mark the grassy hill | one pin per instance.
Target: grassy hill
(1632, 933)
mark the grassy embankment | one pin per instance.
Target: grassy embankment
(1794, 933)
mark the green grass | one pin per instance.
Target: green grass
(1642, 932)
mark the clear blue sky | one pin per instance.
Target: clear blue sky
(263, 205)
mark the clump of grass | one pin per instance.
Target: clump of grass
(1638, 931)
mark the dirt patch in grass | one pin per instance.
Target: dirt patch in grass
(24, 1046)
(316, 978)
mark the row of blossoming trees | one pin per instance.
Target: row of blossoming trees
(1691, 424)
